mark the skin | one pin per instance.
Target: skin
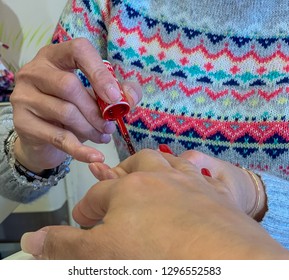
(237, 181)
(156, 206)
(54, 114)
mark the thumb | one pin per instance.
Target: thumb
(57, 242)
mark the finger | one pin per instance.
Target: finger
(60, 138)
(133, 92)
(102, 171)
(64, 242)
(64, 86)
(94, 205)
(164, 148)
(68, 116)
(81, 54)
(145, 160)
(200, 160)
(181, 164)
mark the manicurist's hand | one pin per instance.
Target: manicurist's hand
(54, 113)
(155, 206)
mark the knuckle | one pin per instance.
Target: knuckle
(69, 114)
(59, 140)
(69, 84)
(13, 97)
(134, 179)
(44, 50)
(147, 152)
(19, 97)
(25, 72)
(193, 154)
(100, 72)
(79, 45)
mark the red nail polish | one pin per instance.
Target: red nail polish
(206, 172)
(165, 149)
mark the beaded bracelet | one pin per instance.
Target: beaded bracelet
(28, 178)
(256, 206)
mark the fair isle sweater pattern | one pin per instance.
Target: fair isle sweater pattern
(224, 94)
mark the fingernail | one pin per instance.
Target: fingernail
(102, 173)
(105, 138)
(113, 93)
(109, 127)
(206, 172)
(95, 158)
(131, 92)
(165, 149)
(32, 242)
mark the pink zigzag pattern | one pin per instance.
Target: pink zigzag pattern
(75, 8)
(200, 48)
(232, 130)
(190, 91)
(79, 10)
(60, 34)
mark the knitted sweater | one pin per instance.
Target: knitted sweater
(215, 78)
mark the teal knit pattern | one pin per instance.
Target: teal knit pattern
(214, 80)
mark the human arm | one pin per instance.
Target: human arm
(6, 205)
(54, 91)
(13, 189)
(156, 207)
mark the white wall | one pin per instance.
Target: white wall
(26, 25)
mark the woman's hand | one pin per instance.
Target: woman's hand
(54, 113)
(157, 207)
(242, 186)
(236, 182)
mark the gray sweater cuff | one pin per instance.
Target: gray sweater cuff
(9, 187)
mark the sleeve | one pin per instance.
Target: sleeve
(275, 221)
(10, 188)
(16, 186)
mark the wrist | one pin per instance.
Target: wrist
(259, 202)
(262, 208)
(24, 176)
(25, 161)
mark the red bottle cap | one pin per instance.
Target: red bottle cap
(112, 112)
(115, 111)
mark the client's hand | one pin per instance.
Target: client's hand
(246, 188)
(158, 207)
(240, 186)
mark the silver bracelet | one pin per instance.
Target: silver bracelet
(28, 178)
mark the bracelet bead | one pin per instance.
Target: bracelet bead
(28, 178)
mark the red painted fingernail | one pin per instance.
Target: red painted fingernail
(206, 172)
(165, 149)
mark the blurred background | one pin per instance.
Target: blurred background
(26, 26)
